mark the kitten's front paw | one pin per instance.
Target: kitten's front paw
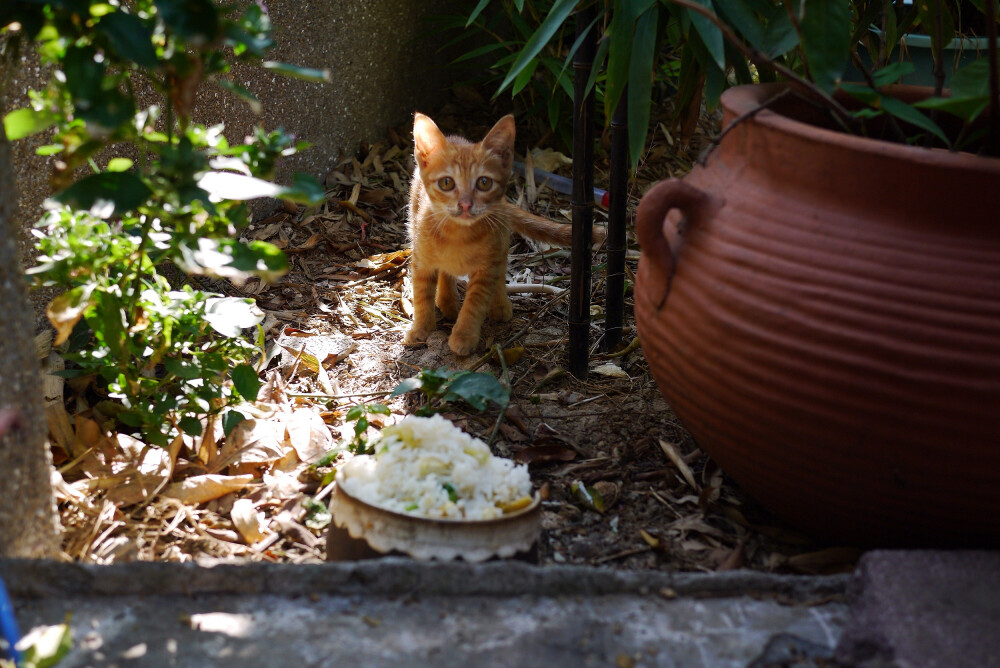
(463, 344)
(416, 335)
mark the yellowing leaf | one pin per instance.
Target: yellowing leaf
(201, 488)
(66, 310)
(674, 456)
(248, 521)
(650, 539)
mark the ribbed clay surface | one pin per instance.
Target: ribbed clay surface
(831, 333)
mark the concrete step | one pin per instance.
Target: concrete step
(397, 612)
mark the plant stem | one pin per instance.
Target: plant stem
(320, 395)
(991, 32)
(937, 50)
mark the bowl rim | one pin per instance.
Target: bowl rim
(536, 501)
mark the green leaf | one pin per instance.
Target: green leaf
(230, 258)
(481, 51)
(780, 35)
(966, 108)
(240, 187)
(742, 19)
(47, 646)
(476, 389)
(245, 381)
(305, 189)
(524, 77)
(194, 20)
(230, 419)
(119, 165)
(476, 12)
(84, 75)
(407, 385)
(826, 40)
(640, 82)
(361, 426)
(896, 108)
(131, 38)
(355, 412)
(191, 425)
(379, 409)
(182, 368)
(106, 194)
(927, 11)
(619, 56)
(21, 123)
(561, 9)
(296, 72)
(892, 73)
(229, 316)
(554, 107)
(577, 43)
(710, 34)
(972, 80)
(452, 492)
(242, 93)
(905, 112)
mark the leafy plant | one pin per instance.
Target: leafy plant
(359, 415)
(699, 47)
(443, 386)
(170, 191)
(537, 43)
(823, 38)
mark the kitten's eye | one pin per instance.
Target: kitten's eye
(446, 183)
(484, 183)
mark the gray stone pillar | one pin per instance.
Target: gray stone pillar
(28, 521)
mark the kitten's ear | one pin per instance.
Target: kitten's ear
(427, 139)
(500, 139)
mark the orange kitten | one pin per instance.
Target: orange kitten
(460, 223)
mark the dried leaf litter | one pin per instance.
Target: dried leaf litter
(624, 485)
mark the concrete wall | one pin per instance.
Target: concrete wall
(383, 64)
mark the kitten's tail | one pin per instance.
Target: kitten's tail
(542, 229)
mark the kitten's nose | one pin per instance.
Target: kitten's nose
(465, 205)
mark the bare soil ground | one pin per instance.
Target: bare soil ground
(661, 502)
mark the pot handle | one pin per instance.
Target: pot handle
(651, 227)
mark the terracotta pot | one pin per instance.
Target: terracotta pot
(822, 312)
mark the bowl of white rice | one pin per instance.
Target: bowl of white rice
(434, 492)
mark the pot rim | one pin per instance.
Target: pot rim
(745, 99)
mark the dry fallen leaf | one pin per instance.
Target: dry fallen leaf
(675, 457)
(308, 434)
(611, 370)
(248, 521)
(539, 454)
(201, 488)
(253, 443)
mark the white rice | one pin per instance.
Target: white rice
(429, 467)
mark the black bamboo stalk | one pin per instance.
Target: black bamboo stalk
(583, 198)
(614, 308)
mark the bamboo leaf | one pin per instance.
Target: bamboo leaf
(557, 15)
(619, 57)
(710, 34)
(296, 72)
(476, 12)
(826, 40)
(640, 81)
